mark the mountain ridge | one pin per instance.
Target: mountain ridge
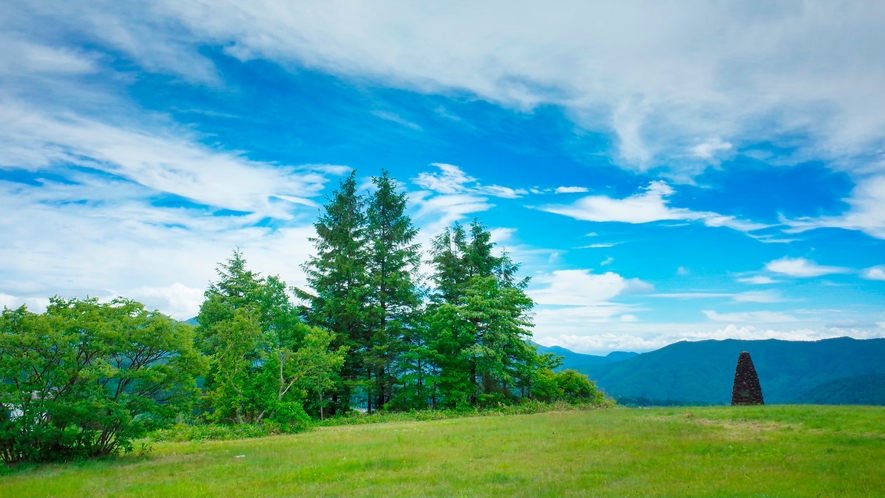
(703, 371)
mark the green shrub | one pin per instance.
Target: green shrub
(84, 379)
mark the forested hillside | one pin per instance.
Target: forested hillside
(703, 372)
(857, 390)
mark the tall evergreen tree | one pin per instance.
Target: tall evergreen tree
(480, 319)
(458, 256)
(394, 298)
(338, 276)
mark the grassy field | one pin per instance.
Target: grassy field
(705, 451)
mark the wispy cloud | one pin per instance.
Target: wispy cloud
(634, 71)
(710, 148)
(801, 267)
(396, 118)
(750, 316)
(450, 179)
(582, 288)
(620, 336)
(599, 246)
(874, 273)
(738, 297)
(866, 212)
(647, 206)
(758, 280)
(571, 190)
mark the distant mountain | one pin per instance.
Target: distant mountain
(576, 361)
(192, 321)
(857, 390)
(703, 372)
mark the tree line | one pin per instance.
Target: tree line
(368, 332)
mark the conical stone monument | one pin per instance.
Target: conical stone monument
(746, 390)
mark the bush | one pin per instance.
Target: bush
(84, 379)
(219, 432)
(569, 385)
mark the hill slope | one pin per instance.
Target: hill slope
(857, 390)
(703, 372)
(570, 359)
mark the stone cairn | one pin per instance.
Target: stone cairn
(746, 390)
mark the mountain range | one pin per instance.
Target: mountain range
(830, 371)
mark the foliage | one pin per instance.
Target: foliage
(569, 386)
(479, 324)
(340, 285)
(394, 300)
(222, 432)
(85, 378)
(265, 361)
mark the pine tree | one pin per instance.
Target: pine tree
(394, 299)
(338, 276)
(480, 319)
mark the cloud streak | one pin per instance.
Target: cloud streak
(648, 206)
(802, 268)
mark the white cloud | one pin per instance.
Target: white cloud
(500, 236)
(757, 279)
(157, 159)
(866, 212)
(112, 241)
(581, 287)
(177, 300)
(452, 180)
(34, 304)
(751, 316)
(570, 190)
(499, 191)
(621, 336)
(675, 86)
(450, 194)
(801, 267)
(740, 297)
(572, 300)
(604, 245)
(607, 261)
(757, 297)
(691, 295)
(874, 273)
(396, 118)
(710, 148)
(22, 57)
(647, 206)
(644, 207)
(436, 212)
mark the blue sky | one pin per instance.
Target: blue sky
(663, 173)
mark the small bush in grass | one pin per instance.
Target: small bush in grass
(219, 432)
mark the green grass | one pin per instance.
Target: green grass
(697, 451)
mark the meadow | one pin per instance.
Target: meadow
(770, 451)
